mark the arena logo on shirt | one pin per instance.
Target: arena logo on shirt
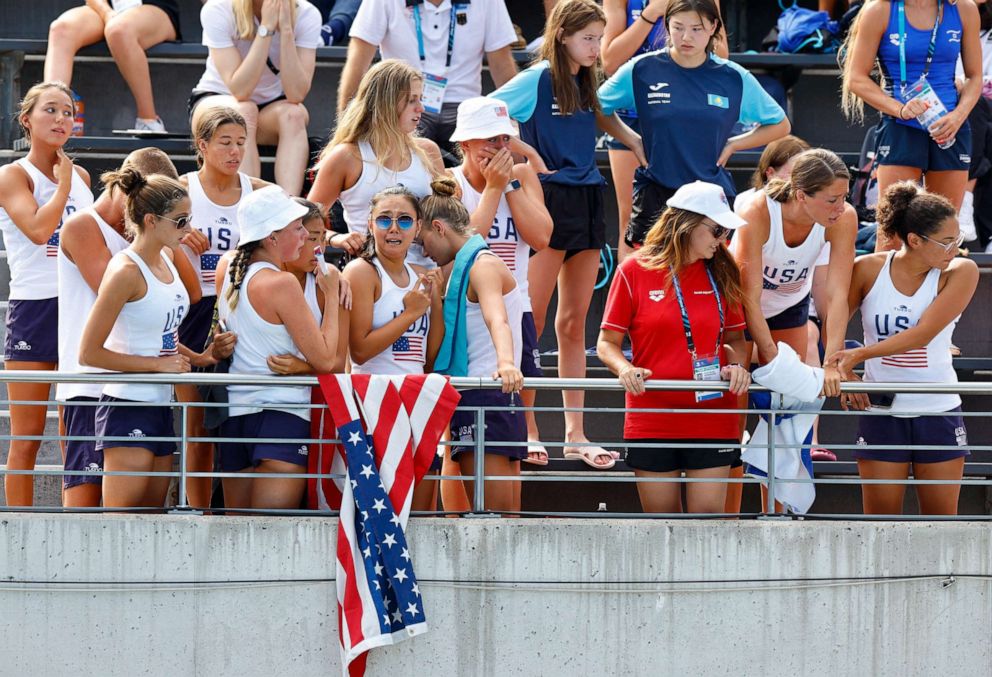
(895, 39)
(656, 294)
(657, 96)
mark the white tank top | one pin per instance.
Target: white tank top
(33, 269)
(76, 298)
(885, 312)
(310, 294)
(257, 340)
(374, 178)
(503, 238)
(149, 327)
(220, 225)
(408, 354)
(481, 349)
(787, 271)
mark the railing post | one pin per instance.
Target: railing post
(770, 503)
(183, 442)
(479, 498)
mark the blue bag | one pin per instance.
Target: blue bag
(804, 30)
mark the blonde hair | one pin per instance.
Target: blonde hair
(572, 92)
(30, 100)
(238, 269)
(667, 246)
(373, 114)
(443, 205)
(851, 104)
(213, 119)
(244, 18)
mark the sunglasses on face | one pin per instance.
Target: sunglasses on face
(719, 232)
(181, 222)
(948, 247)
(402, 222)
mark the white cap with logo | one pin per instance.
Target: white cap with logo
(266, 210)
(482, 117)
(707, 199)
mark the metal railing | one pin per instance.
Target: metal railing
(479, 444)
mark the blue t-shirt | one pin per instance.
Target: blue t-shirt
(945, 58)
(566, 143)
(686, 114)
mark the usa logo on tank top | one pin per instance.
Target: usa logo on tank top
(52, 246)
(786, 280)
(408, 349)
(208, 266)
(170, 343)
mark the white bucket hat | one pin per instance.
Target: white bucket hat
(707, 199)
(264, 211)
(482, 117)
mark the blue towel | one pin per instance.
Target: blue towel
(452, 358)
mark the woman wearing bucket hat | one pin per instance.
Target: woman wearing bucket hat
(266, 309)
(374, 148)
(679, 298)
(556, 104)
(507, 207)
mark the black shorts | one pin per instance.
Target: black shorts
(198, 94)
(578, 215)
(688, 456)
(905, 146)
(649, 203)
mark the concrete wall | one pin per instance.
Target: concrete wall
(590, 598)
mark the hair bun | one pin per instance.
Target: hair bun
(130, 181)
(444, 186)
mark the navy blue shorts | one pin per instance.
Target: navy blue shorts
(633, 123)
(579, 217)
(896, 436)
(530, 356)
(501, 426)
(81, 455)
(266, 424)
(33, 331)
(907, 146)
(152, 419)
(790, 318)
(686, 457)
(195, 328)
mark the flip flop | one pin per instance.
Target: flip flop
(588, 455)
(536, 448)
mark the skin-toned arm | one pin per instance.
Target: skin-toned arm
(841, 237)
(37, 222)
(296, 64)
(501, 65)
(620, 41)
(609, 348)
(735, 370)
(242, 76)
(360, 55)
(486, 281)
(947, 127)
(337, 171)
(530, 215)
(319, 344)
(761, 135)
(364, 341)
(615, 127)
(187, 273)
(433, 154)
(122, 283)
(749, 239)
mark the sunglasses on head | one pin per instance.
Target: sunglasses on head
(402, 222)
(181, 222)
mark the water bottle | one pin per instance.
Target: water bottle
(922, 90)
(79, 121)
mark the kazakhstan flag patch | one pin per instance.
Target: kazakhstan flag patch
(718, 101)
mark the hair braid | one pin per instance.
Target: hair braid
(238, 269)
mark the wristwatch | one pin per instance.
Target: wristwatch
(263, 32)
(511, 186)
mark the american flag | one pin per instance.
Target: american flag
(52, 246)
(785, 287)
(379, 602)
(506, 251)
(208, 267)
(170, 343)
(409, 349)
(912, 359)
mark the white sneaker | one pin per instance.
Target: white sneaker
(143, 125)
(966, 217)
(988, 248)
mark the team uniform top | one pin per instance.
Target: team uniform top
(654, 41)
(787, 272)
(220, 31)
(310, 295)
(76, 299)
(375, 178)
(686, 114)
(642, 303)
(885, 312)
(566, 143)
(219, 223)
(503, 238)
(257, 340)
(482, 360)
(945, 58)
(148, 327)
(33, 268)
(408, 354)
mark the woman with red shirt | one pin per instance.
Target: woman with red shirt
(679, 299)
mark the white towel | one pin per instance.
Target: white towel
(787, 374)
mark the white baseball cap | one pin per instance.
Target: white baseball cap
(482, 117)
(264, 211)
(707, 199)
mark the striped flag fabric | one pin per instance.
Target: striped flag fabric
(507, 251)
(912, 359)
(389, 427)
(208, 267)
(409, 348)
(52, 246)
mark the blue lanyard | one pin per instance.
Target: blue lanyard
(931, 48)
(452, 22)
(685, 313)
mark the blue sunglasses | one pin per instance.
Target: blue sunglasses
(403, 222)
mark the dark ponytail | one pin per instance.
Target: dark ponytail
(155, 194)
(906, 208)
